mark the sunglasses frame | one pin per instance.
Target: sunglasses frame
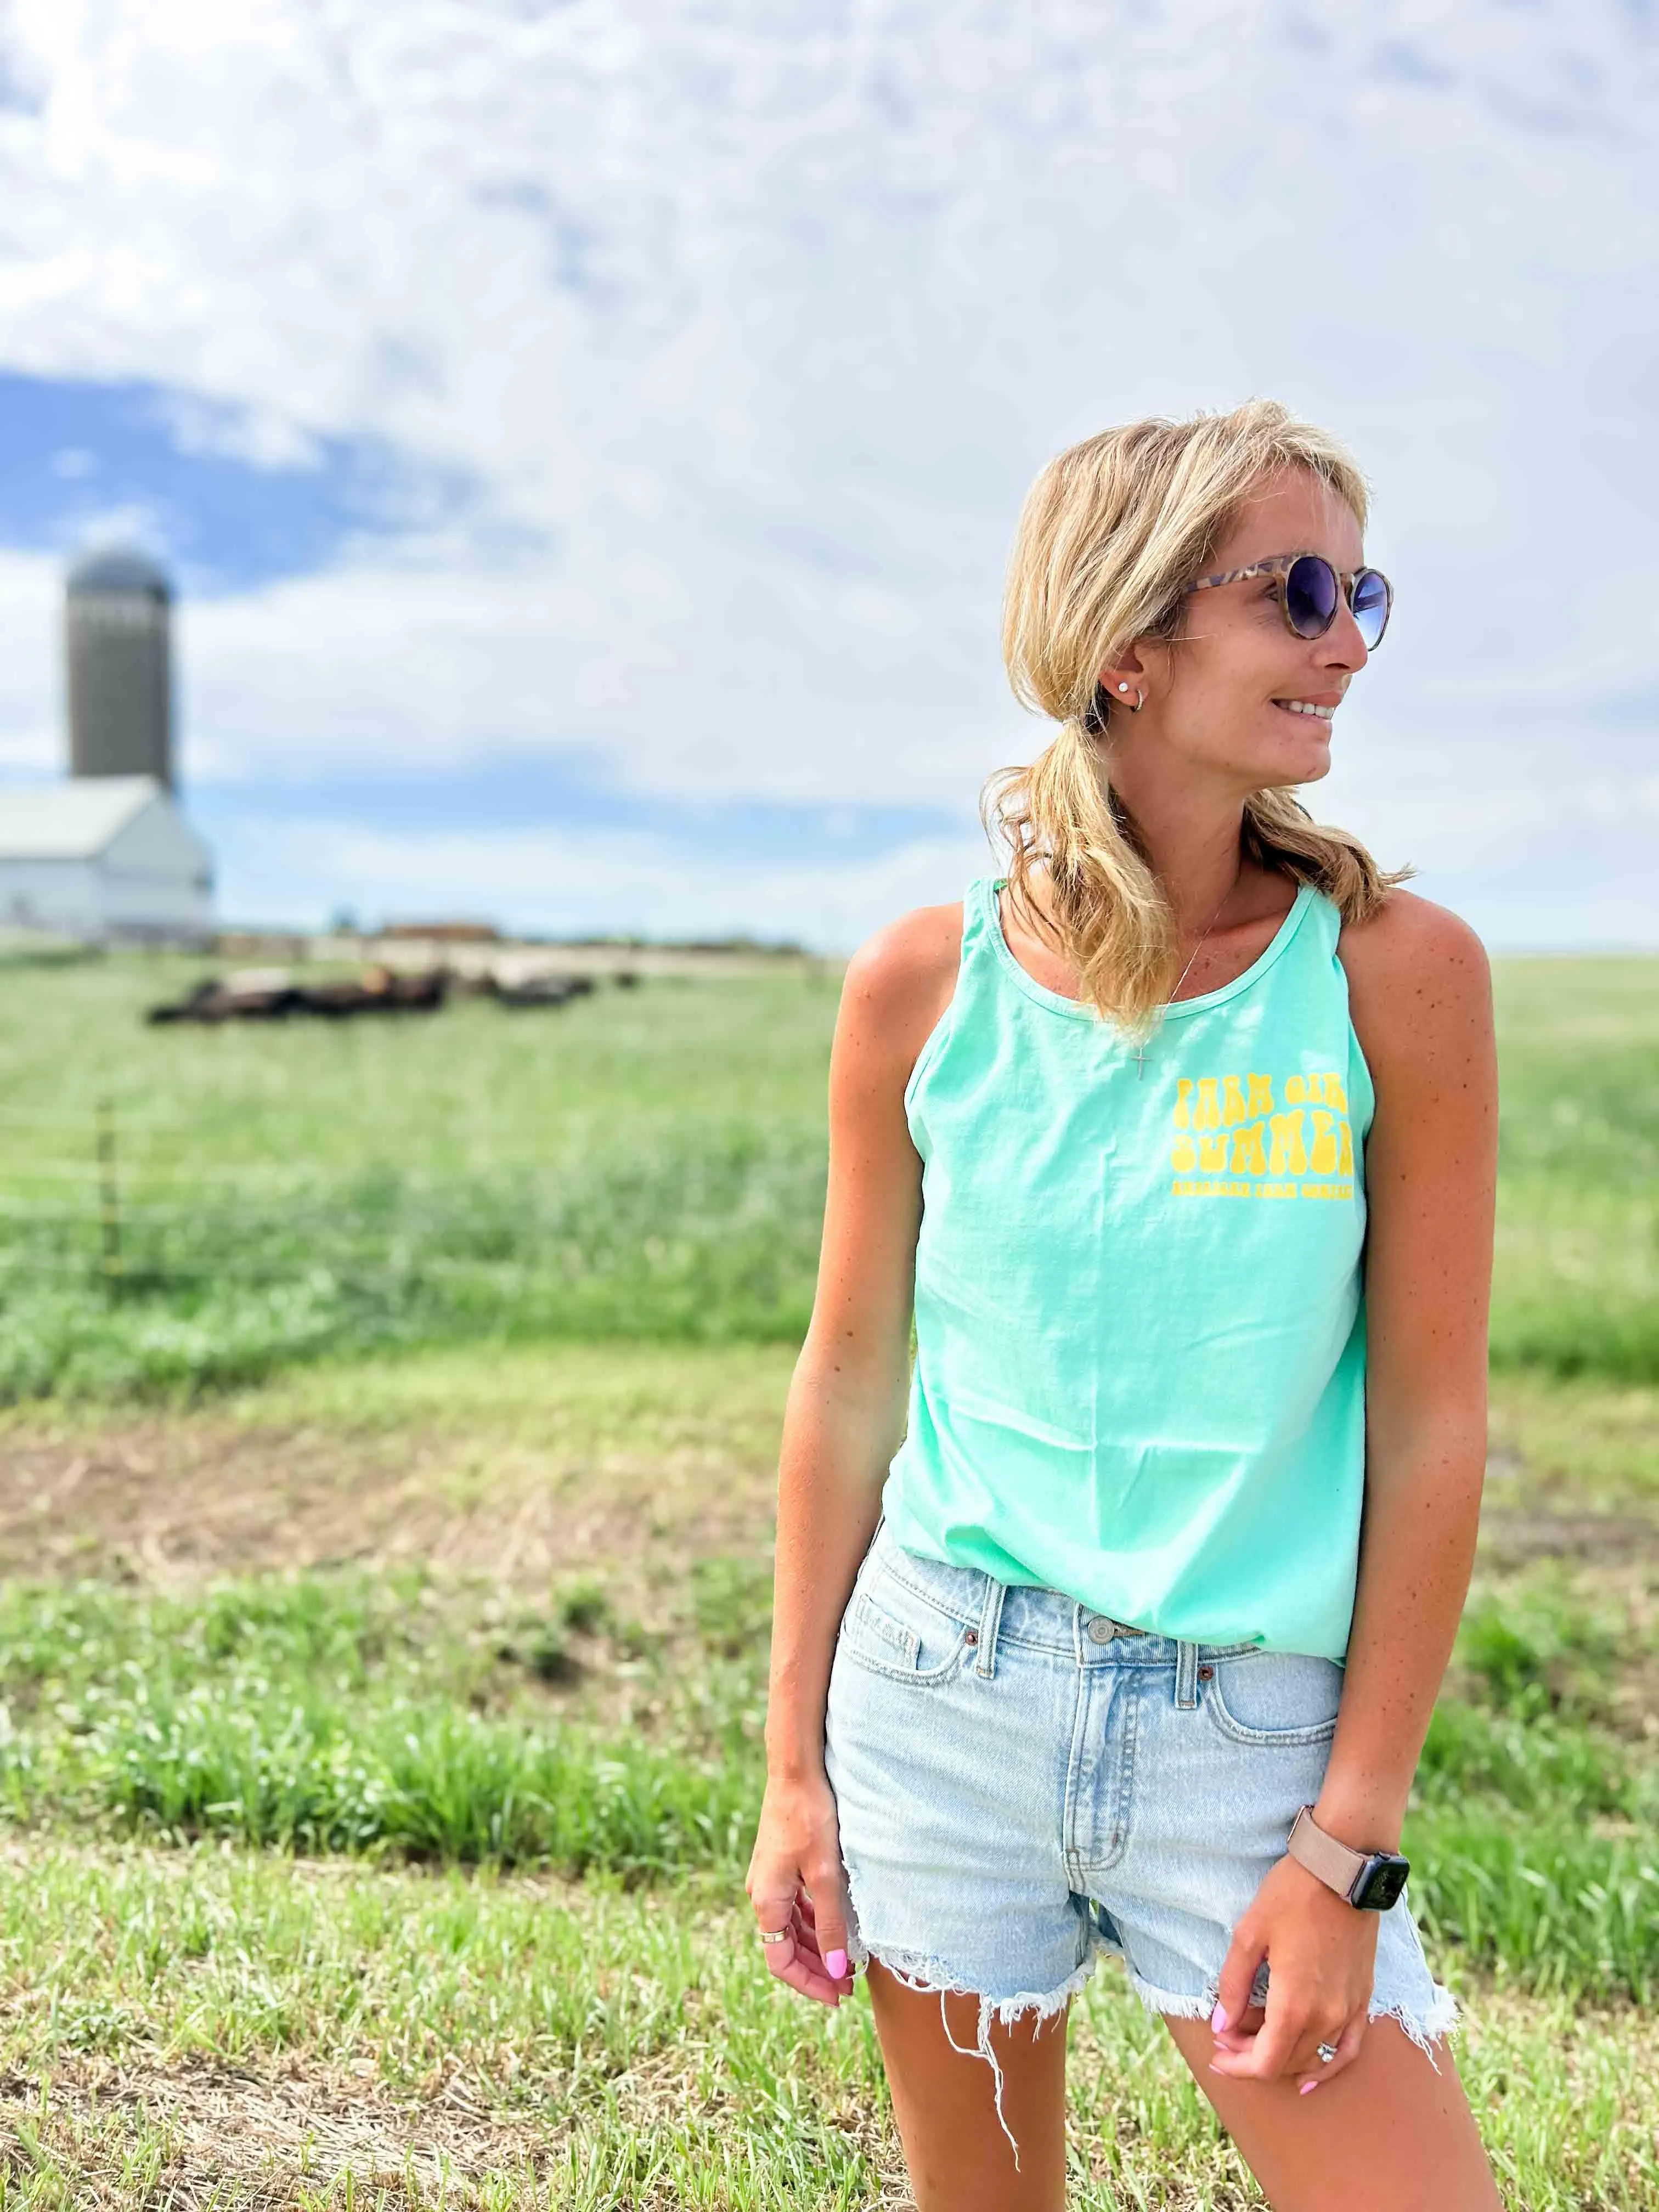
(1280, 567)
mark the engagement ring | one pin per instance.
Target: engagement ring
(1326, 2051)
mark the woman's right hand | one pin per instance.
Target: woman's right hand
(795, 1881)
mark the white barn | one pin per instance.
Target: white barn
(103, 858)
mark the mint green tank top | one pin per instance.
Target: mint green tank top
(1140, 1338)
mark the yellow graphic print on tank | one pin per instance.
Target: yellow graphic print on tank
(1140, 1330)
(1232, 1141)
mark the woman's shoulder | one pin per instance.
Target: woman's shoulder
(1419, 982)
(900, 981)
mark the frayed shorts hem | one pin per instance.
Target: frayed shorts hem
(1440, 2018)
(931, 1977)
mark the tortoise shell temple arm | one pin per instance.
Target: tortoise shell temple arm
(1237, 575)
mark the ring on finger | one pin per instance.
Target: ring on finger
(1326, 2051)
(777, 1936)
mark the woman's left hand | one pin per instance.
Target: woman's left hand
(1322, 1955)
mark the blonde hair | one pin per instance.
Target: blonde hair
(1111, 533)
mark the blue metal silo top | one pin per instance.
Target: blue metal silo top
(116, 570)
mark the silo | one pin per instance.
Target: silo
(117, 615)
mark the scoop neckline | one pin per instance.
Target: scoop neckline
(1172, 1009)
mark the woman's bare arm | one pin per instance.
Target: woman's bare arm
(1421, 992)
(844, 1416)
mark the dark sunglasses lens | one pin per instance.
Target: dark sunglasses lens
(1310, 596)
(1370, 605)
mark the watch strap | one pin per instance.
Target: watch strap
(1339, 1866)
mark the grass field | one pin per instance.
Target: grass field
(382, 1742)
(646, 1163)
(384, 1604)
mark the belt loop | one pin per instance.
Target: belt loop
(990, 1623)
(1186, 1676)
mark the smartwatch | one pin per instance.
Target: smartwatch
(1371, 1880)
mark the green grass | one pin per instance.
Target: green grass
(1535, 1828)
(316, 1885)
(648, 1164)
(286, 1907)
(629, 2048)
(335, 1714)
(1577, 1288)
(322, 1714)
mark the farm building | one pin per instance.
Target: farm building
(103, 858)
(107, 857)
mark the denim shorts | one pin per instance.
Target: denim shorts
(1022, 1784)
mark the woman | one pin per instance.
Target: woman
(1127, 1639)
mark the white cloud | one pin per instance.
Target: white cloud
(31, 593)
(1463, 845)
(614, 881)
(751, 329)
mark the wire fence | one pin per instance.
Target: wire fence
(124, 1205)
(122, 1202)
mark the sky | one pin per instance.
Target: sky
(587, 437)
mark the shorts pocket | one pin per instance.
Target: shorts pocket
(895, 1631)
(1269, 1698)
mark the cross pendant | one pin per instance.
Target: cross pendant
(1140, 1061)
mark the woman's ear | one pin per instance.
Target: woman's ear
(1124, 676)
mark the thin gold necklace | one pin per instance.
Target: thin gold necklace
(1140, 1049)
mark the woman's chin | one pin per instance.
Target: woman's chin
(1281, 766)
(1308, 740)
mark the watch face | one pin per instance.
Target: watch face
(1380, 1886)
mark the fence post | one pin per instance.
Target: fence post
(109, 1196)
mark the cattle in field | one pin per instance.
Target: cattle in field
(264, 994)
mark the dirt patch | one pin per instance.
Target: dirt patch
(1511, 1540)
(217, 2134)
(1583, 1445)
(172, 1502)
(210, 2136)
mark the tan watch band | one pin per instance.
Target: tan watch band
(1337, 1865)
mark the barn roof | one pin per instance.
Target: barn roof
(71, 821)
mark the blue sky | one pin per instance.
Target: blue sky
(589, 437)
(81, 461)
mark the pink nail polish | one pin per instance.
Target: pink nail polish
(1306, 2086)
(837, 1962)
(1218, 2020)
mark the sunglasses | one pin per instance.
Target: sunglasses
(1310, 591)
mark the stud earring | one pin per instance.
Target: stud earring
(1122, 687)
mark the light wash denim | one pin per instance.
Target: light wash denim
(1021, 1786)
